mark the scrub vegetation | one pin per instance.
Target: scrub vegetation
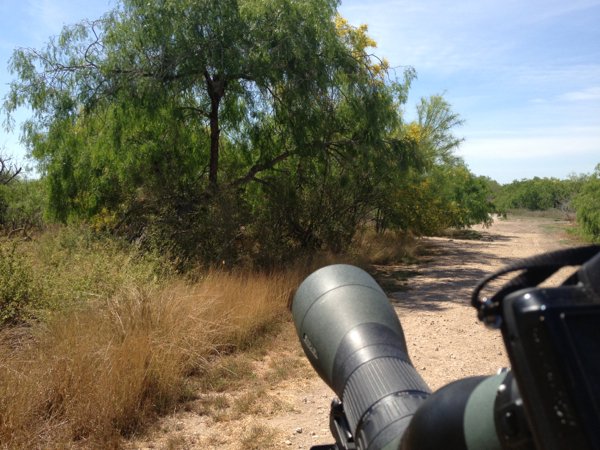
(196, 158)
(576, 199)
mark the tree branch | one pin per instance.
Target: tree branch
(256, 168)
(8, 173)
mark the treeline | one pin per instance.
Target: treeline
(233, 130)
(577, 197)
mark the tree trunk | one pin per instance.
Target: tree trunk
(214, 142)
(216, 90)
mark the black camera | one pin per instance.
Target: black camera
(549, 399)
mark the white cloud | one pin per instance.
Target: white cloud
(555, 74)
(448, 36)
(557, 152)
(583, 101)
(562, 8)
(46, 18)
(588, 94)
(564, 143)
(476, 35)
(47, 14)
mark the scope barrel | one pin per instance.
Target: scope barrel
(353, 338)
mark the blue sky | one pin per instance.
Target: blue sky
(524, 75)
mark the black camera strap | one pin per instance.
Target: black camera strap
(533, 271)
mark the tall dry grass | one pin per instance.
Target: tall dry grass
(89, 377)
(121, 334)
(388, 247)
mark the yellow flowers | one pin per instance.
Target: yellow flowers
(104, 220)
(414, 131)
(356, 37)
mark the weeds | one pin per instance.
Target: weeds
(18, 296)
(98, 373)
(121, 334)
(259, 437)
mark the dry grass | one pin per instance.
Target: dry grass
(123, 349)
(259, 437)
(94, 375)
(388, 247)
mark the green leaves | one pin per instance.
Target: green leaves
(587, 205)
(181, 122)
(17, 289)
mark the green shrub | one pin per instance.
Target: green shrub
(74, 264)
(18, 295)
(587, 205)
(67, 267)
(22, 205)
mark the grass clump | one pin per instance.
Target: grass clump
(18, 294)
(89, 375)
(259, 437)
(387, 247)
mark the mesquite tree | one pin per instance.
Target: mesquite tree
(202, 118)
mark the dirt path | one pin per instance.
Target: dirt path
(290, 403)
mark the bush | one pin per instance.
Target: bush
(74, 264)
(17, 292)
(22, 205)
(67, 267)
(587, 205)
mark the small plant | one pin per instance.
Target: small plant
(17, 291)
(259, 437)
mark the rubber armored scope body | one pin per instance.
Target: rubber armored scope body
(350, 333)
(353, 338)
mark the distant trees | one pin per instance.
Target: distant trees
(587, 204)
(538, 194)
(577, 196)
(220, 128)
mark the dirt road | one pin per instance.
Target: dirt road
(445, 342)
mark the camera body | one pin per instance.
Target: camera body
(552, 336)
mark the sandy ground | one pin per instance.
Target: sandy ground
(445, 342)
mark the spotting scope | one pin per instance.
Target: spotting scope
(354, 340)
